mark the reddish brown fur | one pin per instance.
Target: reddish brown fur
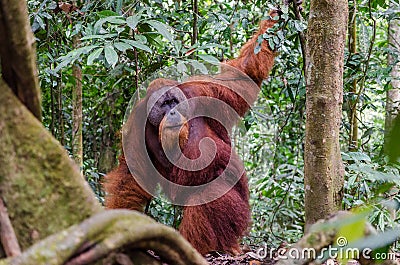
(123, 192)
(217, 225)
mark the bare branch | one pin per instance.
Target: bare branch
(7, 235)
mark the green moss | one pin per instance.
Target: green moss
(42, 188)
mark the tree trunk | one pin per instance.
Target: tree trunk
(195, 12)
(393, 94)
(18, 56)
(41, 187)
(77, 145)
(323, 166)
(60, 114)
(107, 159)
(353, 134)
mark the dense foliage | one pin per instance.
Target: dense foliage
(124, 42)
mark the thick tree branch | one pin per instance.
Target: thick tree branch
(106, 232)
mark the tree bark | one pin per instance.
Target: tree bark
(60, 114)
(41, 187)
(195, 12)
(39, 184)
(323, 166)
(77, 144)
(393, 94)
(107, 159)
(18, 56)
(106, 232)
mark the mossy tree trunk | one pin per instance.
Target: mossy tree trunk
(41, 187)
(326, 37)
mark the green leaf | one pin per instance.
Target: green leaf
(122, 46)
(359, 156)
(138, 45)
(94, 55)
(99, 36)
(377, 241)
(119, 20)
(141, 38)
(291, 95)
(62, 64)
(199, 66)
(111, 55)
(257, 49)
(271, 43)
(209, 58)
(119, 5)
(132, 21)
(73, 55)
(116, 20)
(39, 20)
(350, 233)
(161, 28)
(181, 67)
(107, 13)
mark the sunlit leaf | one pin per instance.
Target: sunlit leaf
(122, 46)
(111, 55)
(132, 21)
(209, 58)
(94, 55)
(107, 13)
(199, 66)
(111, 19)
(138, 45)
(161, 28)
(99, 36)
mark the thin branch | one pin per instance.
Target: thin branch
(302, 36)
(195, 7)
(7, 235)
(371, 46)
(136, 72)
